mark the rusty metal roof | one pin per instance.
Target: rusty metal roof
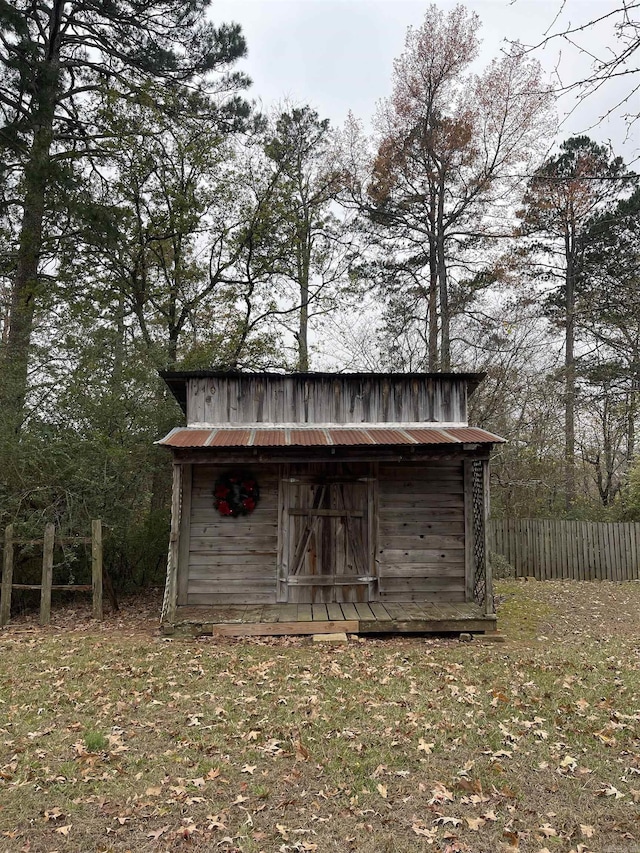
(354, 436)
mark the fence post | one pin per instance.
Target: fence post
(47, 574)
(96, 567)
(7, 577)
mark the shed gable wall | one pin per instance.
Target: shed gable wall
(341, 400)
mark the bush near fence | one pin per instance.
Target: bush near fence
(550, 549)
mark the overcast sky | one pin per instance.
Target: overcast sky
(337, 55)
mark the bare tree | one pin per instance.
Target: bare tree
(611, 60)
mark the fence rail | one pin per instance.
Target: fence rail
(579, 550)
(49, 542)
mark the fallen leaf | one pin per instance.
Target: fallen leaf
(155, 835)
(586, 830)
(440, 794)
(64, 830)
(444, 820)
(475, 823)
(610, 791)
(424, 832)
(382, 790)
(53, 814)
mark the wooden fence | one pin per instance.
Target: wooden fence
(48, 543)
(580, 550)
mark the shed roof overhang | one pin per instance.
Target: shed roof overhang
(279, 436)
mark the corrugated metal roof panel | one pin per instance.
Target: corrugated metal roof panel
(429, 436)
(187, 438)
(474, 435)
(309, 437)
(270, 438)
(350, 436)
(390, 436)
(230, 438)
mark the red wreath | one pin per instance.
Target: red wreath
(236, 494)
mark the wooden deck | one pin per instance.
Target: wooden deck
(373, 618)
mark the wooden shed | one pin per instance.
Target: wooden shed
(309, 503)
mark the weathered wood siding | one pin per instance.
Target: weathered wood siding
(232, 560)
(340, 399)
(421, 539)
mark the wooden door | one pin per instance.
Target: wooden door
(327, 543)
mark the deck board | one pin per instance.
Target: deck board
(319, 612)
(334, 612)
(379, 611)
(365, 618)
(364, 611)
(305, 613)
(349, 611)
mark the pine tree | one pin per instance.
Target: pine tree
(61, 64)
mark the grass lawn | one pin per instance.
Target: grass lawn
(115, 739)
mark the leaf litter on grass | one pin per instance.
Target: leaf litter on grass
(280, 745)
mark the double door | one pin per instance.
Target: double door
(327, 539)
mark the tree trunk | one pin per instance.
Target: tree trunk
(632, 407)
(304, 270)
(433, 288)
(24, 289)
(569, 384)
(445, 320)
(443, 285)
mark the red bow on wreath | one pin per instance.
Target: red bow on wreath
(235, 494)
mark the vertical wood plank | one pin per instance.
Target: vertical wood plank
(533, 533)
(47, 574)
(182, 569)
(585, 533)
(603, 552)
(96, 568)
(511, 546)
(467, 475)
(548, 547)
(284, 533)
(372, 523)
(634, 575)
(573, 549)
(624, 528)
(7, 577)
(611, 560)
